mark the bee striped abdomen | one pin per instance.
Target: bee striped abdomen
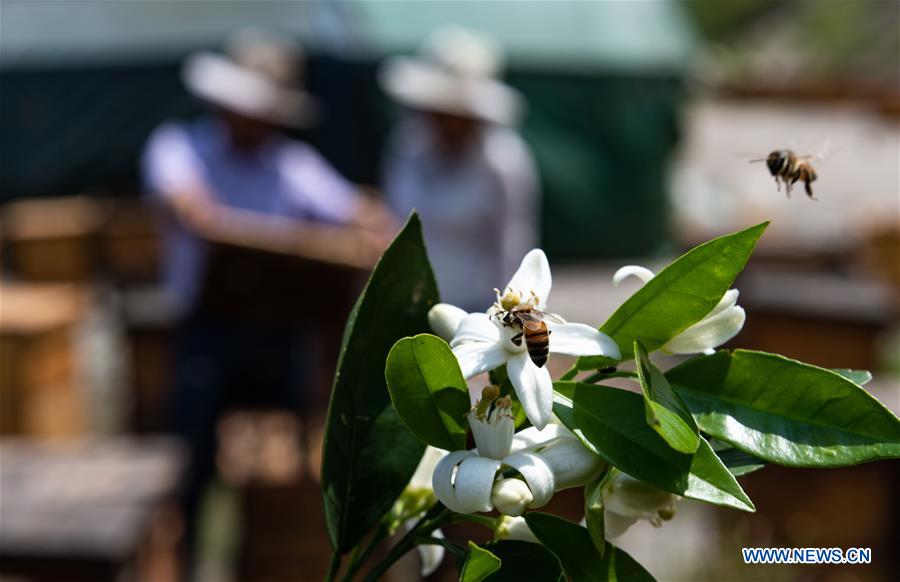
(538, 343)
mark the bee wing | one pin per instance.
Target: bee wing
(823, 151)
(554, 319)
(752, 157)
(531, 320)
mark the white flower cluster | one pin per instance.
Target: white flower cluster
(539, 462)
(512, 472)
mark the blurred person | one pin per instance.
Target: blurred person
(458, 161)
(238, 158)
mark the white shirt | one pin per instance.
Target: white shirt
(479, 209)
(283, 177)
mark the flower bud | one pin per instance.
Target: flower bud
(511, 497)
(444, 319)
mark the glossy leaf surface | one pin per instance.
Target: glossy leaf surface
(524, 561)
(613, 422)
(784, 411)
(679, 295)
(480, 564)
(576, 552)
(368, 455)
(428, 390)
(665, 412)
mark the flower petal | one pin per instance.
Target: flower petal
(492, 439)
(537, 473)
(642, 273)
(728, 300)
(475, 327)
(477, 357)
(708, 333)
(431, 554)
(533, 387)
(572, 464)
(532, 439)
(578, 339)
(515, 528)
(474, 483)
(442, 479)
(615, 525)
(444, 320)
(421, 479)
(533, 275)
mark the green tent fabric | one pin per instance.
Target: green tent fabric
(576, 36)
(602, 81)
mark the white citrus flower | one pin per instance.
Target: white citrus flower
(444, 320)
(547, 460)
(627, 500)
(718, 326)
(573, 465)
(464, 480)
(484, 341)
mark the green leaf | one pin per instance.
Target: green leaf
(858, 377)
(480, 564)
(784, 411)
(612, 421)
(524, 561)
(576, 552)
(368, 455)
(429, 391)
(666, 413)
(679, 296)
(738, 462)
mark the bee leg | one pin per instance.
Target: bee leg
(809, 192)
(517, 339)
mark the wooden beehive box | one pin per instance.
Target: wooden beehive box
(130, 243)
(40, 394)
(49, 240)
(825, 318)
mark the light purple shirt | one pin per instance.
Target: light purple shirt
(479, 209)
(284, 177)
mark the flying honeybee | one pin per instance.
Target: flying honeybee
(789, 168)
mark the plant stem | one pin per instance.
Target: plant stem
(594, 378)
(335, 566)
(570, 374)
(436, 516)
(359, 558)
(454, 548)
(488, 522)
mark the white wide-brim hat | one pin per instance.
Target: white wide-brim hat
(258, 78)
(455, 72)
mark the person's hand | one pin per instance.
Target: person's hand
(197, 211)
